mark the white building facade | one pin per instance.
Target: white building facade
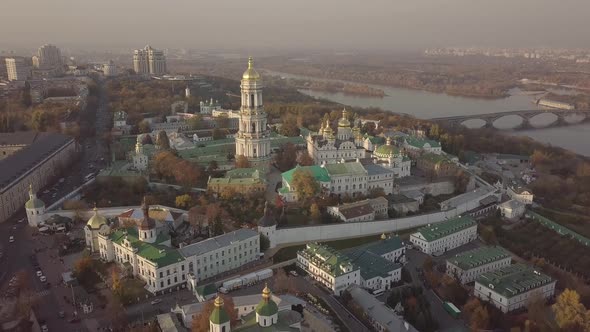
(222, 253)
(445, 235)
(512, 287)
(467, 266)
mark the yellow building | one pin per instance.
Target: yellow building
(239, 180)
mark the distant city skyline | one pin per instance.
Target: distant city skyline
(381, 25)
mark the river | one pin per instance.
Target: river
(426, 105)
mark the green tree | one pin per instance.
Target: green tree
(217, 228)
(306, 186)
(183, 201)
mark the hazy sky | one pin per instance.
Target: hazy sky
(327, 24)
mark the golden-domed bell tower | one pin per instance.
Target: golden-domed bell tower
(253, 138)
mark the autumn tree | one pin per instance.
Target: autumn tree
(162, 140)
(480, 319)
(289, 127)
(242, 162)
(314, 212)
(143, 127)
(306, 186)
(183, 201)
(196, 218)
(77, 206)
(217, 227)
(538, 315)
(82, 266)
(286, 157)
(305, 159)
(570, 313)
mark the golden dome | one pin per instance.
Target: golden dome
(266, 292)
(343, 122)
(97, 220)
(218, 301)
(251, 74)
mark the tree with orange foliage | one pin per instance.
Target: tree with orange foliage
(242, 162)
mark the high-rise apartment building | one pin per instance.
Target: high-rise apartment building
(17, 68)
(48, 56)
(149, 61)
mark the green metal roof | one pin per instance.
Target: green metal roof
(352, 168)
(387, 151)
(34, 203)
(157, 253)
(267, 308)
(557, 227)
(218, 316)
(327, 259)
(435, 158)
(478, 257)
(513, 280)
(445, 228)
(372, 265)
(318, 173)
(240, 176)
(420, 142)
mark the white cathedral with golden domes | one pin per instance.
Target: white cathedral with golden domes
(253, 137)
(328, 147)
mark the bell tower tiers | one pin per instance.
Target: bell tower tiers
(253, 138)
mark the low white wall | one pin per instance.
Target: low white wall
(355, 229)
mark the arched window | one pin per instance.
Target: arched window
(223, 328)
(252, 100)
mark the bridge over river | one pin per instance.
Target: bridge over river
(525, 115)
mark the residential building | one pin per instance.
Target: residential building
(109, 69)
(48, 57)
(402, 204)
(512, 209)
(512, 287)
(365, 210)
(239, 180)
(30, 158)
(375, 266)
(521, 194)
(383, 318)
(222, 253)
(445, 235)
(328, 147)
(253, 137)
(380, 177)
(17, 68)
(436, 165)
(145, 252)
(416, 145)
(469, 265)
(329, 267)
(149, 61)
(209, 107)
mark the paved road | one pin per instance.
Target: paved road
(16, 255)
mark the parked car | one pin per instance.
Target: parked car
(43, 278)
(156, 301)
(11, 239)
(39, 273)
(293, 273)
(44, 328)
